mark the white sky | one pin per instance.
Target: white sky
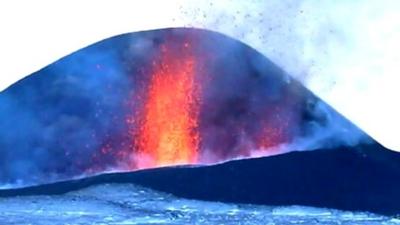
(347, 52)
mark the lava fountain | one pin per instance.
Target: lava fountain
(168, 129)
(157, 98)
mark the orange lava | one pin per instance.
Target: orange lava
(167, 133)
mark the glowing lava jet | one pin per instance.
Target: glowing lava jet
(191, 115)
(168, 132)
(192, 108)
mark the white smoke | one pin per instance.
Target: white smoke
(347, 52)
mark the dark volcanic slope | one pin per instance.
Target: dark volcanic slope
(156, 98)
(363, 178)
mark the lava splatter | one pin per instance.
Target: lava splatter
(168, 133)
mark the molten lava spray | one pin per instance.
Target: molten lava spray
(167, 133)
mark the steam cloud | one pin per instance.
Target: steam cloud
(346, 52)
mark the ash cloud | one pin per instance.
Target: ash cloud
(261, 95)
(53, 121)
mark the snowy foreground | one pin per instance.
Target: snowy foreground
(130, 204)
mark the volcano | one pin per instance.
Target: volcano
(184, 126)
(159, 98)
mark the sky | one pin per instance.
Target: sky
(346, 52)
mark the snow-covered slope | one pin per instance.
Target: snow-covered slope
(132, 204)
